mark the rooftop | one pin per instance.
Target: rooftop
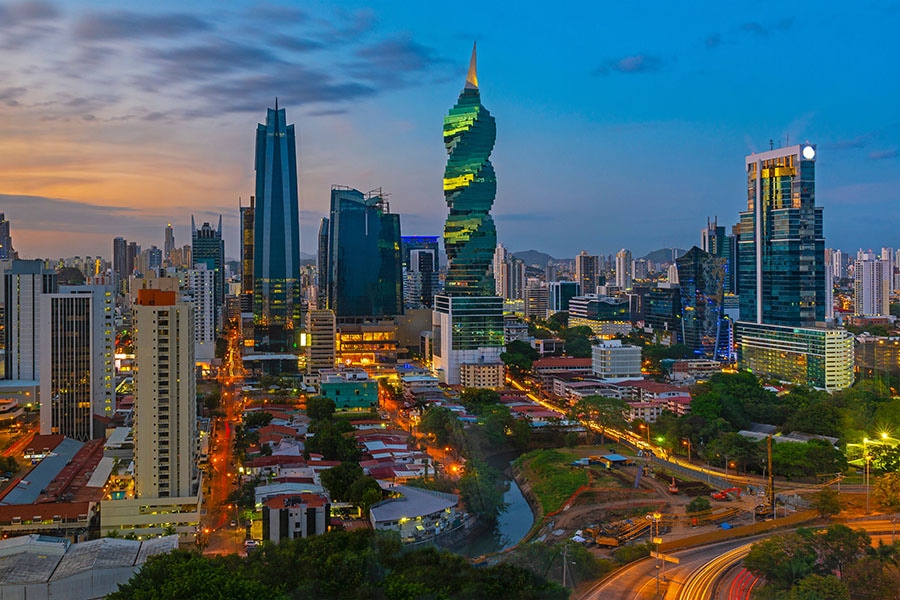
(414, 503)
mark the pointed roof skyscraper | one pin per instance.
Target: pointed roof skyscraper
(472, 75)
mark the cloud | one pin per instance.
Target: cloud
(126, 25)
(214, 58)
(297, 44)
(638, 63)
(883, 154)
(391, 61)
(851, 144)
(57, 214)
(10, 95)
(713, 41)
(274, 14)
(755, 29)
(27, 12)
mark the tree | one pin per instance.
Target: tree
(871, 579)
(476, 399)
(480, 490)
(886, 493)
(820, 587)
(256, 419)
(440, 422)
(319, 408)
(364, 492)
(827, 502)
(181, 574)
(604, 412)
(698, 504)
(782, 560)
(340, 479)
(331, 440)
(839, 546)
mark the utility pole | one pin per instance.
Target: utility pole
(771, 476)
(565, 563)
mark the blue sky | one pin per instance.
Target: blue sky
(619, 124)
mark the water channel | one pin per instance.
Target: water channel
(511, 526)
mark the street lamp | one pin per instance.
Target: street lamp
(688, 444)
(866, 458)
(647, 427)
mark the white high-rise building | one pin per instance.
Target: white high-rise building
(165, 397)
(501, 256)
(887, 257)
(623, 269)
(77, 363)
(24, 284)
(870, 289)
(201, 290)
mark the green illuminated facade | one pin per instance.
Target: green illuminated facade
(470, 186)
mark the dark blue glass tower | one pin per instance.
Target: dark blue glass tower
(276, 240)
(362, 269)
(781, 248)
(208, 248)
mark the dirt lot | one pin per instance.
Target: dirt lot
(612, 497)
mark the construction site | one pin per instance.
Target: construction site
(632, 501)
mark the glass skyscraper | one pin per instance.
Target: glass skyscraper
(704, 329)
(208, 249)
(781, 248)
(362, 276)
(470, 186)
(467, 322)
(276, 239)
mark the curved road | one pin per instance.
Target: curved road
(701, 572)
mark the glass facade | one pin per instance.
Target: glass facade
(821, 358)
(704, 329)
(475, 322)
(247, 231)
(208, 248)
(363, 276)
(276, 239)
(470, 186)
(781, 246)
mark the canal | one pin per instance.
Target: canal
(510, 528)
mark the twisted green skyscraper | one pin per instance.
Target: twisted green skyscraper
(470, 186)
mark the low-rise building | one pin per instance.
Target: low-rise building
(485, 375)
(614, 360)
(349, 389)
(291, 516)
(418, 515)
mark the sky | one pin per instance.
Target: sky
(620, 125)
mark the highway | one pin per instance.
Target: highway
(710, 572)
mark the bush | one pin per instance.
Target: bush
(698, 504)
(627, 554)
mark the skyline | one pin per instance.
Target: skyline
(145, 118)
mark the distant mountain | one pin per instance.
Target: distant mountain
(533, 257)
(305, 256)
(664, 255)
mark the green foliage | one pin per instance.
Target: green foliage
(820, 587)
(256, 419)
(339, 480)
(884, 458)
(476, 399)
(579, 347)
(244, 496)
(480, 490)
(627, 554)
(212, 400)
(793, 459)
(333, 441)
(441, 423)
(438, 484)
(827, 501)
(886, 493)
(698, 504)
(797, 564)
(518, 364)
(8, 464)
(319, 408)
(558, 321)
(553, 479)
(604, 412)
(221, 347)
(872, 579)
(547, 559)
(181, 574)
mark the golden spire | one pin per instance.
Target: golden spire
(472, 76)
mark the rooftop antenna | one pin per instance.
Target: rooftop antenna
(771, 141)
(788, 138)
